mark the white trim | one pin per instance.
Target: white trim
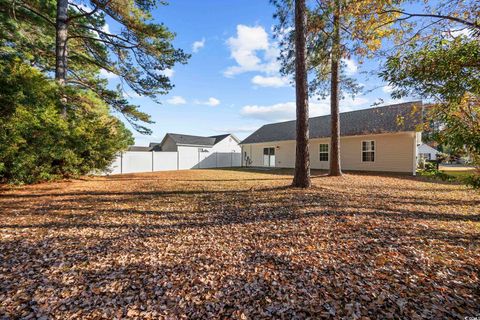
(374, 151)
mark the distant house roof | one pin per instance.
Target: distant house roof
(184, 139)
(426, 148)
(139, 148)
(392, 118)
(190, 140)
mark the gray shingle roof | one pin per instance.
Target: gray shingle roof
(139, 148)
(192, 140)
(392, 118)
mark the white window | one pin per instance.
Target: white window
(368, 151)
(426, 156)
(323, 151)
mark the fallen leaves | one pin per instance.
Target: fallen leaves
(233, 244)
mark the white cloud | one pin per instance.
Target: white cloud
(245, 49)
(286, 111)
(107, 74)
(168, 72)
(237, 129)
(387, 89)
(213, 102)
(197, 45)
(351, 66)
(455, 33)
(176, 100)
(273, 81)
(106, 28)
(275, 112)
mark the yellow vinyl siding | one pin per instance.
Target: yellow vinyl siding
(394, 152)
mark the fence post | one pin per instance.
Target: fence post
(178, 161)
(231, 159)
(121, 163)
(152, 161)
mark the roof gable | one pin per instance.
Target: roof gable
(222, 137)
(392, 118)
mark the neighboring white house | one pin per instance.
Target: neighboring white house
(221, 143)
(375, 139)
(426, 152)
(199, 152)
(180, 152)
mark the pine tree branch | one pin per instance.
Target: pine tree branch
(39, 14)
(431, 15)
(104, 41)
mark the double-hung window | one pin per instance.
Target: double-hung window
(368, 151)
(324, 152)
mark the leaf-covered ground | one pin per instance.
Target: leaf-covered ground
(233, 244)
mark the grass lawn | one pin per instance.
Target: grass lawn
(235, 244)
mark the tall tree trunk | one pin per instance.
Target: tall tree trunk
(61, 48)
(301, 178)
(335, 167)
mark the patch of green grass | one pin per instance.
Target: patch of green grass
(459, 175)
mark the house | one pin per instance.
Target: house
(375, 139)
(198, 151)
(427, 152)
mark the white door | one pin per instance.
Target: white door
(272, 157)
(266, 157)
(269, 157)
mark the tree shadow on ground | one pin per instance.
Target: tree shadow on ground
(258, 250)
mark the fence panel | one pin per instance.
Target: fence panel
(237, 159)
(116, 166)
(163, 161)
(224, 159)
(138, 161)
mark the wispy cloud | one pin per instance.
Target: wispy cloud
(286, 110)
(213, 102)
(387, 89)
(197, 45)
(242, 129)
(273, 81)
(176, 100)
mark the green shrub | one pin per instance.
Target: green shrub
(37, 143)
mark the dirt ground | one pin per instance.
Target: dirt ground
(239, 244)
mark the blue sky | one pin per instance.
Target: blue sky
(231, 83)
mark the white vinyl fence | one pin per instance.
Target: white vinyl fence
(141, 161)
